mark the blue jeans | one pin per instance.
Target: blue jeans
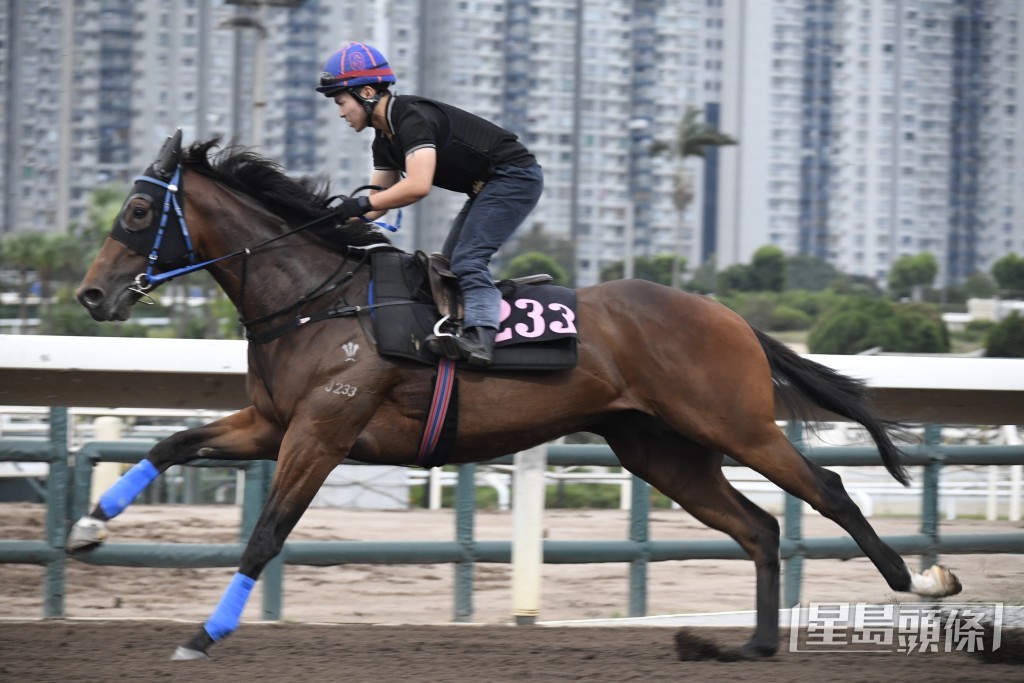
(482, 226)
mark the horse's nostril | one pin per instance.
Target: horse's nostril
(90, 298)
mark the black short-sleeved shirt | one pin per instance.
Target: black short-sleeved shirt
(468, 147)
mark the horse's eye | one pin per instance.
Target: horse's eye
(137, 214)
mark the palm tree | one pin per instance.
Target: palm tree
(58, 259)
(22, 252)
(693, 137)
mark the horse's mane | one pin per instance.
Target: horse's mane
(297, 200)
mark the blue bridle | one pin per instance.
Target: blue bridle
(146, 281)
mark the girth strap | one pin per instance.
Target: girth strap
(439, 421)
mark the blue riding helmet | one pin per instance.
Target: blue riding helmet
(354, 65)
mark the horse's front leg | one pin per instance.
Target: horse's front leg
(303, 465)
(245, 435)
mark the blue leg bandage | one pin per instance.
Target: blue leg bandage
(127, 488)
(225, 618)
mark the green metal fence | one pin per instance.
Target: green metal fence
(68, 498)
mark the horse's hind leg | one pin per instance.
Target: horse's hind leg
(244, 435)
(692, 476)
(776, 458)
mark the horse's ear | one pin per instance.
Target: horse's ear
(167, 160)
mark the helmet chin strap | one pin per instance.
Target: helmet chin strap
(368, 104)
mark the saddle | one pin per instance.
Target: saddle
(444, 285)
(422, 296)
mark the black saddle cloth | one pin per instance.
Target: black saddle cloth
(537, 331)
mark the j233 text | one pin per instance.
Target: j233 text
(340, 389)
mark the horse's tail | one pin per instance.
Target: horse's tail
(800, 382)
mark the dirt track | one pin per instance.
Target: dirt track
(411, 597)
(138, 651)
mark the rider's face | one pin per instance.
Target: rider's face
(351, 110)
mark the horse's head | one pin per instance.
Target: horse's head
(239, 204)
(148, 236)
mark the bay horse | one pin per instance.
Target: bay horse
(673, 381)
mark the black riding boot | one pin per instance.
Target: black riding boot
(476, 345)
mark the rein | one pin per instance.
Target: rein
(342, 311)
(148, 280)
(144, 282)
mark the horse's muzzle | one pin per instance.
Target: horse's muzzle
(101, 308)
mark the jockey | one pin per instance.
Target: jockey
(421, 143)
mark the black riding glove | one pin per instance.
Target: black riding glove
(352, 207)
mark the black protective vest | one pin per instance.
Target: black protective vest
(468, 146)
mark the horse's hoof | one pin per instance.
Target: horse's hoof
(935, 582)
(754, 650)
(183, 653)
(88, 532)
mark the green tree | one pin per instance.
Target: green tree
(979, 286)
(704, 277)
(103, 207)
(734, 278)
(812, 303)
(857, 324)
(657, 269)
(911, 274)
(809, 272)
(856, 285)
(1009, 275)
(920, 329)
(536, 240)
(768, 270)
(693, 138)
(1006, 339)
(67, 317)
(532, 263)
(766, 273)
(22, 253)
(58, 261)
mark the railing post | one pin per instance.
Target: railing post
(81, 481)
(465, 506)
(639, 527)
(528, 533)
(103, 475)
(793, 571)
(258, 476)
(190, 475)
(930, 493)
(56, 514)
(1012, 438)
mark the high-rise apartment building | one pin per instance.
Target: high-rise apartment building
(37, 125)
(892, 161)
(867, 129)
(873, 130)
(986, 203)
(589, 87)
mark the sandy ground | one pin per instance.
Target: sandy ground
(138, 651)
(422, 594)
